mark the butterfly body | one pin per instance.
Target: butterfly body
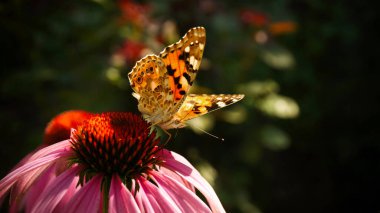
(161, 84)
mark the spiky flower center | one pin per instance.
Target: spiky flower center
(116, 143)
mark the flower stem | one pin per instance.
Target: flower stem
(105, 189)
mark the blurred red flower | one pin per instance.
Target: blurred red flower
(131, 50)
(134, 12)
(253, 17)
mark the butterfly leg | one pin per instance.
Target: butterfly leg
(153, 124)
(169, 136)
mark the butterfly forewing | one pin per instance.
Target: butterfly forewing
(183, 59)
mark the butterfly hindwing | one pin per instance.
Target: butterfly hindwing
(149, 82)
(146, 71)
(197, 105)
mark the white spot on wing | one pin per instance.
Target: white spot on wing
(194, 62)
(137, 96)
(187, 49)
(201, 46)
(221, 104)
(192, 59)
(184, 82)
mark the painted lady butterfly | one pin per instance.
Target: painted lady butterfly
(161, 84)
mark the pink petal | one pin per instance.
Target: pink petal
(121, 199)
(145, 204)
(53, 193)
(26, 158)
(177, 177)
(181, 166)
(57, 147)
(27, 169)
(72, 189)
(33, 194)
(159, 199)
(88, 198)
(185, 199)
(137, 195)
(25, 182)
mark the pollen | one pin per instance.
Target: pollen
(116, 143)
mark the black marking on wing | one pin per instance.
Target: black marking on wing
(170, 70)
(176, 80)
(188, 78)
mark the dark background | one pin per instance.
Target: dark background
(305, 138)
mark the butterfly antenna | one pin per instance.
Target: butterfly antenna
(214, 136)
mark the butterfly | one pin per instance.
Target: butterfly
(161, 84)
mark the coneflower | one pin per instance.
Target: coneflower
(112, 162)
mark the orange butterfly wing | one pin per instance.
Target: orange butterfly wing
(183, 59)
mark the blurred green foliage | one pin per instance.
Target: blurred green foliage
(304, 139)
